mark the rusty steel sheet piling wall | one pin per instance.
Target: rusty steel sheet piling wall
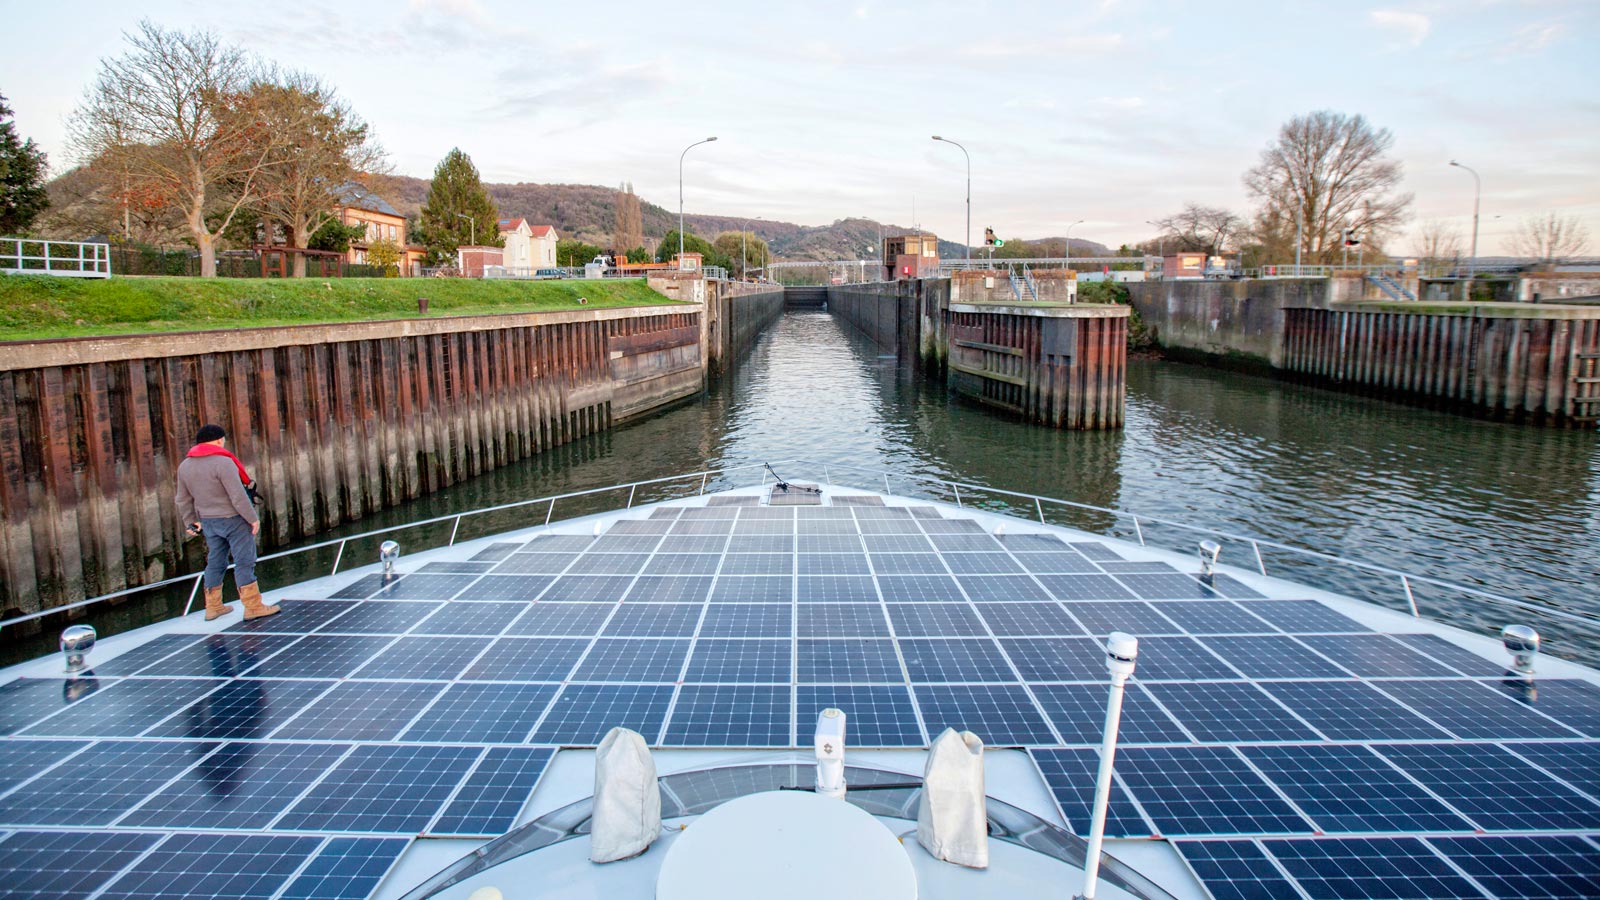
(334, 421)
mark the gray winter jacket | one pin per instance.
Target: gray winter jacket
(209, 488)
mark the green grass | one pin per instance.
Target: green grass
(35, 307)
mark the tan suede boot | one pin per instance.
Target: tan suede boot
(250, 596)
(215, 608)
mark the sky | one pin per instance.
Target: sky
(1112, 112)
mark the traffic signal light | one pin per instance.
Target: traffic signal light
(999, 243)
(988, 237)
(1350, 238)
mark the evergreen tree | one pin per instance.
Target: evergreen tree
(457, 189)
(22, 171)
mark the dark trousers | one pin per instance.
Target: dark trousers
(225, 538)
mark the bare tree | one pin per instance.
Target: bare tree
(1550, 237)
(1331, 171)
(327, 146)
(1199, 229)
(175, 115)
(1438, 245)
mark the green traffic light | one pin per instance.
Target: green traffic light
(999, 243)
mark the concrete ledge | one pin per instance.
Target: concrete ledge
(1047, 310)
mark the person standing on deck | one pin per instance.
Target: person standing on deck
(212, 500)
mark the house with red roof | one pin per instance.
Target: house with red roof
(528, 246)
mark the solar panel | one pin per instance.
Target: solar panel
(877, 715)
(1032, 543)
(219, 655)
(380, 617)
(655, 620)
(640, 526)
(144, 655)
(456, 567)
(907, 564)
(760, 543)
(321, 656)
(1352, 711)
(296, 616)
(346, 868)
(1057, 659)
(617, 564)
(1493, 788)
(587, 589)
(1002, 588)
(920, 589)
(385, 788)
(482, 713)
(1348, 869)
(1577, 763)
(1458, 658)
(1061, 563)
(897, 543)
(1029, 619)
(949, 526)
(123, 774)
(1213, 617)
(125, 708)
(747, 620)
(52, 864)
(558, 543)
(364, 587)
(835, 589)
(1229, 711)
(842, 620)
(1349, 788)
(1084, 587)
(1572, 702)
(682, 564)
(935, 620)
(1304, 617)
(966, 543)
(242, 708)
(524, 588)
(834, 564)
(470, 618)
(830, 543)
(983, 564)
(722, 715)
(1002, 714)
(753, 589)
(624, 543)
(1516, 867)
(22, 759)
(583, 713)
(425, 587)
(1135, 618)
(1071, 776)
(360, 711)
(1204, 791)
(1078, 711)
(193, 866)
(763, 661)
(1376, 655)
(848, 662)
(1095, 551)
(1145, 567)
(562, 619)
(1472, 710)
(423, 658)
(1228, 586)
(244, 785)
(535, 564)
(27, 700)
(955, 660)
(669, 589)
(758, 564)
(493, 796)
(1166, 587)
(1273, 657)
(1178, 658)
(495, 552)
(1235, 870)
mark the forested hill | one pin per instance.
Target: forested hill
(588, 212)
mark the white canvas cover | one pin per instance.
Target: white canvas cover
(627, 800)
(951, 822)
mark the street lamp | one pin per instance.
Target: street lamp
(1161, 238)
(1069, 242)
(474, 226)
(969, 192)
(1477, 191)
(680, 194)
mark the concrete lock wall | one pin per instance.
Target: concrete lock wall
(735, 312)
(1238, 319)
(335, 421)
(903, 317)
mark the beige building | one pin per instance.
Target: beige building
(528, 246)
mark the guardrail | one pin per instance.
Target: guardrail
(1404, 580)
(63, 259)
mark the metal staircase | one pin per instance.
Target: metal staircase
(1022, 286)
(1388, 285)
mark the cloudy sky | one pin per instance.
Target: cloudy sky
(1112, 111)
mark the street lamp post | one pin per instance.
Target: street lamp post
(969, 192)
(1477, 192)
(473, 224)
(1069, 242)
(1161, 238)
(680, 194)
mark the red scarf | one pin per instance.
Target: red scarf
(214, 450)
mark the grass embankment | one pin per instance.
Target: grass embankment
(35, 307)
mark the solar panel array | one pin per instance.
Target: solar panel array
(1274, 737)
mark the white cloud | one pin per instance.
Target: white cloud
(1412, 27)
(1120, 103)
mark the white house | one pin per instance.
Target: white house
(528, 246)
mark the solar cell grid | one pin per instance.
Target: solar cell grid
(720, 715)
(1061, 563)
(1096, 551)
(835, 589)
(666, 512)
(1473, 710)
(1305, 617)
(1376, 656)
(888, 526)
(456, 567)
(1458, 658)
(1029, 619)
(1079, 713)
(669, 589)
(763, 529)
(950, 526)
(362, 587)
(877, 715)
(214, 865)
(125, 708)
(425, 587)
(747, 620)
(640, 526)
(1142, 567)
(587, 588)
(583, 713)
(1574, 703)
(1212, 617)
(1229, 711)
(1577, 763)
(824, 527)
(482, 713)
(703, 527)
(123, 774)
(21, 759)
(321, 656)
(424, 658)
(983, 564)
(244, 785)
(897, 543)
(361, 710)
(144, 655)
(966, 543)
(1071, 775)
(633, 659)
(683, 564)
(732, 661)
(624, 543)
(524, 588)
(1057, 659)
(955, 660)
(841, 620)
(1003, 714)
(907, 564)
(1228, 586)
(470, 619)
(935, 620)
(693, 543)
(346, 868)
(219, 655)
(1349, 788)
(833, 564)
(535, 564)
(753, 589)
(562, 619)
(704, 513)
(1204, 791)
(1493, 788)
(616, 564)
(848, 662)
(758, 564)
(1352, 711)
(386, 788)
(380, 617)
(1032, 543)
(295, 616)
(1001, 588)
(1517, 867)
(1166, 587)
(1235, 870)
(242, 708)
(1178, 659)
(920, 589)
(654, 620)
(760, 543)
(495, 552)
(558, 543)
(1273, 657)
(1349, 869)
(1085, 587)
(492, 797)
(53, 864)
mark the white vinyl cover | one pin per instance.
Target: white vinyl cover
(627, 800)
(951, 822)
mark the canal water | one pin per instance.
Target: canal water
(1513, 510)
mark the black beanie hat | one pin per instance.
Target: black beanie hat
(209, 433)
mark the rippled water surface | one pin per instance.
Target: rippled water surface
(1512, 509)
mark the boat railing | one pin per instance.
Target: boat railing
(1404, 583)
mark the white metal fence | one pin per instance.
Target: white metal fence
(66, 259)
